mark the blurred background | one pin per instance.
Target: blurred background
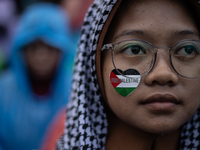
(11, 10)
(38, 43)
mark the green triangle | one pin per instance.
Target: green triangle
(124, 91)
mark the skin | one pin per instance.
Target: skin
(76, 10)
(72, 8)
(133, 123)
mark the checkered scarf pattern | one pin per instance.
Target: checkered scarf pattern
(86, 125)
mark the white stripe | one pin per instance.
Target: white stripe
(129, 81)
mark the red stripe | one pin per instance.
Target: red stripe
(115, 81)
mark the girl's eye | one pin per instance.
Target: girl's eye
(133, 50)
(188, 50)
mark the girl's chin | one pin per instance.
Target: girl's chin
(161, 129)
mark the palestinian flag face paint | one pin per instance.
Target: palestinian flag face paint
(125, 85)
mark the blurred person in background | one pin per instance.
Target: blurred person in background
(8, 20)
(75, 10)
(35, 90)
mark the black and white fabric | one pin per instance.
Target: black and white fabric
(86, 124)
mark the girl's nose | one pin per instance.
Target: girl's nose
(162, 72)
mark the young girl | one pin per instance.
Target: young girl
(136, 80)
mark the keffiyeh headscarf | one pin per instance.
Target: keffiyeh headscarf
(86, 126)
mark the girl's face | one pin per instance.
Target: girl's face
(163, 101)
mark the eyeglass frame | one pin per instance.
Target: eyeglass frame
(112, 46)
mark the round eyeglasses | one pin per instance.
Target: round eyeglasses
(141, 55)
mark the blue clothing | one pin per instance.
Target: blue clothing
(24, 116)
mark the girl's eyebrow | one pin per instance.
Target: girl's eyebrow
(140, 32)
(187, 32)
(130, 32)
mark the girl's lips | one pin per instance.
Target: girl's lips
(161, 102)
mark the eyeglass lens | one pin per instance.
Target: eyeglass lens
(140, 55)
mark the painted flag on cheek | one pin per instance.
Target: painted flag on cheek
(125, 85)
